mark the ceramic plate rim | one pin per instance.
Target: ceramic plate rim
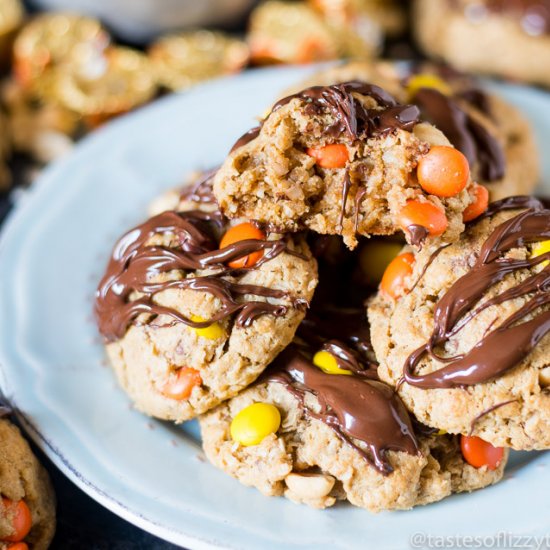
(48, 179)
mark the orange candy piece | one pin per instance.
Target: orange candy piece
(425, 214)
(21, 519)
(18, 546)
(393, 280)
(443, 172)
(479, 453)
(479, 205)
(330, 156)
(181, 383)
(242, 232)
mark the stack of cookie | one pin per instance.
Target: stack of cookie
(245, 300)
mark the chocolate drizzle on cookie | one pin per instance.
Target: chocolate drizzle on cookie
(343, 331)
(487, 411)
(351, 117)
(252, 134)
(132, 281)
(417, 234)
(468, 135)
(201, 191)
(356, 406)
(508, 344)
(517, 202)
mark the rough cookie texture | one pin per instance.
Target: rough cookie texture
(501, 120)
(272, 179)
(521, 395)
(308, 463)
(23, 478)
(152, 349)
(468, 35)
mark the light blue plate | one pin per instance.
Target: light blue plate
(52, 254)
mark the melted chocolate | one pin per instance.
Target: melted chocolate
(359, 196)
(201, 191)
(486, 412)
(247, 137)
(417, 234)
(504, 347)
(346, 185)
(355, 406)
(347, 327)
(351, 117)
(431, 259)
(518, 202)
(463, 131)
(134, 265)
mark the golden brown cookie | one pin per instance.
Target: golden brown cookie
(343, 160)
(194, 307)
(320, 427)
(467, 342)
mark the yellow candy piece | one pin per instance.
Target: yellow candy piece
(374, 257)
(211, 332)
(327, 363)
(254, 423)
(540, 249)
(427, 80)
(441, 432)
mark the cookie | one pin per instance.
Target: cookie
(475, 360)
(498, 37)
(321, 30)
(182, 60)
(389, 15)
(346, 160)
(193, 308)
(494, 136)
(26, 491)
(292, 32)
(319, 427)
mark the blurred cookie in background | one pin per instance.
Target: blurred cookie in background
(320, 30)
(182, 60)
(51, 40)
(291, 32)
(40, 130)
(389, 15)
(506, 38)
(122, 80)
(67, 79)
